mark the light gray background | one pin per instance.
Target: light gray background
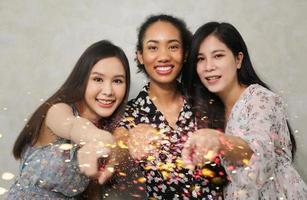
(40, 41)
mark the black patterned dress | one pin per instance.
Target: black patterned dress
(165, 176)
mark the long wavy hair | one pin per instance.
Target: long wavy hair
(208, 107)
(73, 91)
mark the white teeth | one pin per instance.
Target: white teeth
(166, 68)
(213, 77)
(105, 101)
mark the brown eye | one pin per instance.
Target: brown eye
(152, 48)
(174, 47)
(118, 81)
(217, 56)
(98, 79)
(200, 59)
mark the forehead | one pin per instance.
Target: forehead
(109, 66)
(212, 43)
(161, 30)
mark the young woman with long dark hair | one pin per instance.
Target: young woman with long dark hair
(249, 127)
(77, 119)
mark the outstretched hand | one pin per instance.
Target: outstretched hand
(203, 146)
(90, 154)
(143, 141)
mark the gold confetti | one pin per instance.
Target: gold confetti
(7, 176)
(111, 169)
(147, 167)
(245, 161)
(2, 190)
(0, 135)
(150, 158)
(129, 119)
(66, 146)
(166, 175)
(217, 181)
(122, 145)
(122, 174)
(209, 155)
(207, 172)
(141, 180)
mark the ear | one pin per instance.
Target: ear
(239, 60)
(139, 56)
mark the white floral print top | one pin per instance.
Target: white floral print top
(259, 117)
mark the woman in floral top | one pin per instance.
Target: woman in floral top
(68, 125)
(160, 120)
(257, 148)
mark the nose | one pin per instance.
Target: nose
(107, 88)
(163, 55)
(209, 66)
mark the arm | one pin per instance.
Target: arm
(62, 122)
(206, 144)
(260, 128)
(96, 143)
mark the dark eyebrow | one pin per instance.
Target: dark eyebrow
(218, 50)
(116, 76)
(215, 51)
(169, 41)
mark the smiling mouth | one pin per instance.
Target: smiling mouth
(164, 70)
(212, 78)
(105, 103)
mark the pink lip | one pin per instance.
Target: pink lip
(212, 81)
(102, 105)
(164, 72)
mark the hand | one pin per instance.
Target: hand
(89, 154)
(143, 141)
(203, 146)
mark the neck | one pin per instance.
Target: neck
(164, 93)
(85, 112)
(230, 97)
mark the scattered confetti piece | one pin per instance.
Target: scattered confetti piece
(2, 190)
(7, 176)
(141, 180)
(65, 146)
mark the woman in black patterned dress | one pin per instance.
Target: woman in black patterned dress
(160, 120)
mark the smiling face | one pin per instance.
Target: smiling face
(217, 66)
(162, 53)
(105, 89)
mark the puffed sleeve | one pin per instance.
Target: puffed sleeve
(258, 121)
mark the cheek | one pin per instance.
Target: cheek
(148, 57)
(179, 57)
(199, 70)
(120, 92)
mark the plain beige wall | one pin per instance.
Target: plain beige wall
(41, 40)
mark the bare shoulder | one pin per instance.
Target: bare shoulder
(60, 107)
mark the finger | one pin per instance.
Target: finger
(187, 155)
(105, 174)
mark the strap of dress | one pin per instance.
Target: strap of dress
(74, 109)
